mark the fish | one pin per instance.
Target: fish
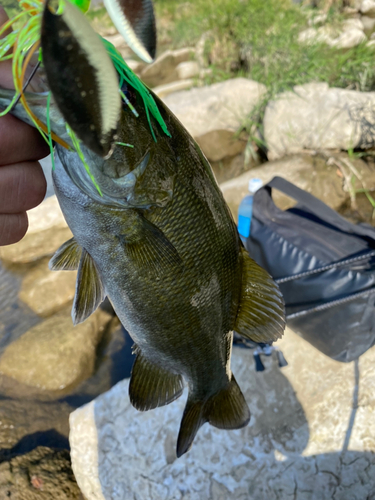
(158, 239)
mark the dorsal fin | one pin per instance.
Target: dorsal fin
(260, 315)
(152, 386)
(67, 257)
(89, 289)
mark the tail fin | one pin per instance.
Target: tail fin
(226, 409)
(192, 420)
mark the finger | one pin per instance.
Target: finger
(20, 142)
(3, 19)
(13, 227)
(6, 78)
(22, 187)
(37, 84)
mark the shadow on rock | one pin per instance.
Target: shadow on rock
(135, 451)
(50, 439)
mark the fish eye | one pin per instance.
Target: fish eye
(129, 93)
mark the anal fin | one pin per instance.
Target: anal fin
(228, 408)
(89, 289)
(260, 315)
(67, 257)
(152, 386)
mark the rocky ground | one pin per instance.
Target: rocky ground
(311, 437)
(312, 431)
(358, 27)
(48, 368)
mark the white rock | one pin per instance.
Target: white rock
(368, 23)
(294, 443)
(349, 24)
(368, 7)
(169, 88)
(46, 216)
(355, 4)
(350, 11)
(324, 34)
(315, 174)
(349, 38)
(136, 66)
(54, 355)
(318, 19)
(163, 70)
(188, 69)
(307, 36)
(184, 54)
(317, 117)
(47, 231)
(45, 291)
(214, 113)
(205, 72)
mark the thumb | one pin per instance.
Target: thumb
(6, 77)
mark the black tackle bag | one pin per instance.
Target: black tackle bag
(325, 268)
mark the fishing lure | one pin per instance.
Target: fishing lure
(22, 43)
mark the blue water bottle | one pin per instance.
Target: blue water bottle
(245, 210)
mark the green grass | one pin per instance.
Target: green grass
(259, 39)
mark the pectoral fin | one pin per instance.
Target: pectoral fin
(152, 386)
(67, 257)
(260, 314)
(151, 251)
(89, 289)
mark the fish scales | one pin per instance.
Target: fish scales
(181, 315)
(198, 301)
(161, 244)
(151, 227)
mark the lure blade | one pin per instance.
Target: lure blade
(81, 77)
(135, 21)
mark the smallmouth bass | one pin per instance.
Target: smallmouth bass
(160, 242)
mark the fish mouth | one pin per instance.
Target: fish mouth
(129, 180)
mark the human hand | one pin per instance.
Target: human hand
(22, 182)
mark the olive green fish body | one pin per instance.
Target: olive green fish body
(151, 228)
(160, 242)
(168, 255)
(178, 314)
